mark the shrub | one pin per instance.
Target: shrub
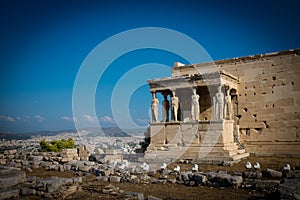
(56, 145)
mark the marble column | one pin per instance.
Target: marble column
(195, 110)
(174, 105)
(219, 104)
(154, 107)
(228, 105)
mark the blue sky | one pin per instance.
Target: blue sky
(43, 44)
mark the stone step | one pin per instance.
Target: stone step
(240, 151)
(240, 156)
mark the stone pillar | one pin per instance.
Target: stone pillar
(228, 105)
(154, 107)
(175, 105)
(219, 104)
(195, 111)
(165, 108)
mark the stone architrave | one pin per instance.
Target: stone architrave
(165, 109)
(219, 104)
(195, 106)
(174, 105)
(228, 105)
(154, 107)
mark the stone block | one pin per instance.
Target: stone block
(77, 180)
(84, 168)
(3, 161)
(27, 191)
(15, 177)
(103, 178)
(69, 190)
(289, 109)
(274, 173)
(85, 158)
(236, 180)
(114, 179)
(53, 184)
(172, 134)
(67, 167)
(266, 184)
(199, 178)
(157, 134)
(135, 195)
(284, 102)
(9, 194)
(37, 158)
(89, 163)
(293, 123)
(11, 152)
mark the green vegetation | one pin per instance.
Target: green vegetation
(56, 146)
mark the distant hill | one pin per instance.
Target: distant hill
(14, 136)
(108, 132)
(49, 133)
(90, 132)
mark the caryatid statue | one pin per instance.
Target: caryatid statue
(165, 108)
(154, 107)
(174, 104)
(219, 104)
(195, 106)
(228, 108)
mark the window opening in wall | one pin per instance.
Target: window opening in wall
(248, 131)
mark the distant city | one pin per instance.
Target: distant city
(121, 141)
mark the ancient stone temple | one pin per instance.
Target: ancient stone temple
(224, 110)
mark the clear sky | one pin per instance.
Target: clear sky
(44, 43)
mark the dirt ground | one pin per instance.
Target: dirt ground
(91, 189)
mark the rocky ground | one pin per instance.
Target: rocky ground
(92, 188)
(27, 173)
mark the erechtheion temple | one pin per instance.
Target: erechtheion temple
(224, 110)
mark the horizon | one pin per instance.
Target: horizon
(45, 44)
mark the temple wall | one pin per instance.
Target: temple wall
(268, 100)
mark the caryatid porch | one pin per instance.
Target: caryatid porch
(198, 119)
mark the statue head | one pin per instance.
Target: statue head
(173, 93)
(194, 90)
(153, 95)
(228, 92)
(220, 88)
